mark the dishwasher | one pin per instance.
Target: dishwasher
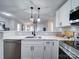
(12, 49)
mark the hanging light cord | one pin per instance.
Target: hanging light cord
(34, 21)
(38, 12)
(31, 12)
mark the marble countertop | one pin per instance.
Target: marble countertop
(22, 36)
(38, 37)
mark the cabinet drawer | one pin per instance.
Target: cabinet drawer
(54, 43)
(32, 42)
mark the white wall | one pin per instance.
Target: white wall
(11, 23)
(50, 25)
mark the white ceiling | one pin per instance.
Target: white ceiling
(21, 8)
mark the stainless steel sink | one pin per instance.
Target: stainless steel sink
(35, 37)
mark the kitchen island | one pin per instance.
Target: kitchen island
(29, 48)
(25, 47)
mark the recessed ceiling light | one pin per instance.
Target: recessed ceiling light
(7, 14)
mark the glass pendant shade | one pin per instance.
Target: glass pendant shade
(38, 20)
(31, 18)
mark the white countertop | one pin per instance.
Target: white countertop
(22, 35)
(42, 38)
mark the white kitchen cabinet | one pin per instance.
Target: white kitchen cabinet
(31, 50)
(58, 18)
(55, 50)
(63, 15)
(1, 49)
(26, 52)
(75, 3)
(47, 50)
(51, 50)
(39, 49)
(1, 46)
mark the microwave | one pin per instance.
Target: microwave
(74, 17)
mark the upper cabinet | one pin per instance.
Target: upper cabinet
(62, 15)
(75, 4)
(65, 13)
(58, 18)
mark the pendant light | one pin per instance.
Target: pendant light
(38, 20)
(31, 14)
(35, 21)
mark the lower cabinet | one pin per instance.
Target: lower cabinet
(47, 50)
(38, 52)
(1, 49)
(31, 50)
(55, 50)
(41, 50)
(51, 50)
(22, 49)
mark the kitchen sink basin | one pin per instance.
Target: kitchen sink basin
(34, 37)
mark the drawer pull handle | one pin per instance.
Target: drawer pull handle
(53, 43)
(32, 48)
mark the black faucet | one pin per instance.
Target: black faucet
(33, 33)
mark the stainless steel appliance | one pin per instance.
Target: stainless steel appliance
(12, 49)
(76, 40)
(74, 16)
(76, 36)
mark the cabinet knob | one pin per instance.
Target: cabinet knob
(44, 48)
(32, 48)
(60, 23)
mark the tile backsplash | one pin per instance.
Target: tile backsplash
(74, 29)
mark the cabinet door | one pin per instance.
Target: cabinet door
(32, 50)
(26, 51)
(58, 19)
(64, 14)
(1, 49)
(51, 50)
(55, 49)
(75, 3)
(38, 52)
(47, 50)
